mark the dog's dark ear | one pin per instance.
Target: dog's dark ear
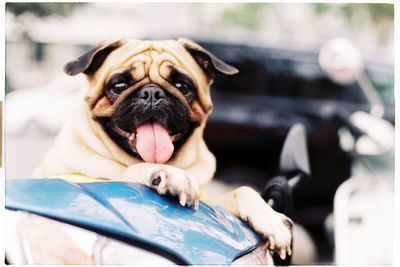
(210, 63)
(89, 62)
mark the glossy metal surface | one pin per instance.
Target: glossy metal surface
(209, 235)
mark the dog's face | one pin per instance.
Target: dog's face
(149, 96)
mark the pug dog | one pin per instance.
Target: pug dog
(142, 120)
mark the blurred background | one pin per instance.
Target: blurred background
(281, 82)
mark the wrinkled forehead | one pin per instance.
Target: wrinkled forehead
(151, 59)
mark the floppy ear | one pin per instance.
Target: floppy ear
(89, 62)
(209, 63)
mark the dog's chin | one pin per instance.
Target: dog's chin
(150, 141)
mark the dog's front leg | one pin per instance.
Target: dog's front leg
(165, 179)
(246, 204)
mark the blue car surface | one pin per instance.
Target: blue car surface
(138, 216)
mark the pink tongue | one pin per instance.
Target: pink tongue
(154, 143)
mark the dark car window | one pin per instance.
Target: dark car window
(288, 73)
(285, 78)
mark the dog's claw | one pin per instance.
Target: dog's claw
(282, 254)
(272, 242)
(182, 199)
(163, 177)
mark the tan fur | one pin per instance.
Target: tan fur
(82, 147)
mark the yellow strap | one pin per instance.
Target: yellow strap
(77, 178)
(202, 194)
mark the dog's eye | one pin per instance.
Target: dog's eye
(183, 87)
(119, 87)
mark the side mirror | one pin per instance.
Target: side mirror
(343, 62)
(294, 155)
(293, 168)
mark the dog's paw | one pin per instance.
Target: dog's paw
(176, 182)
(276, 229)
(273, 226)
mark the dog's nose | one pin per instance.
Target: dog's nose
(151, 94)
